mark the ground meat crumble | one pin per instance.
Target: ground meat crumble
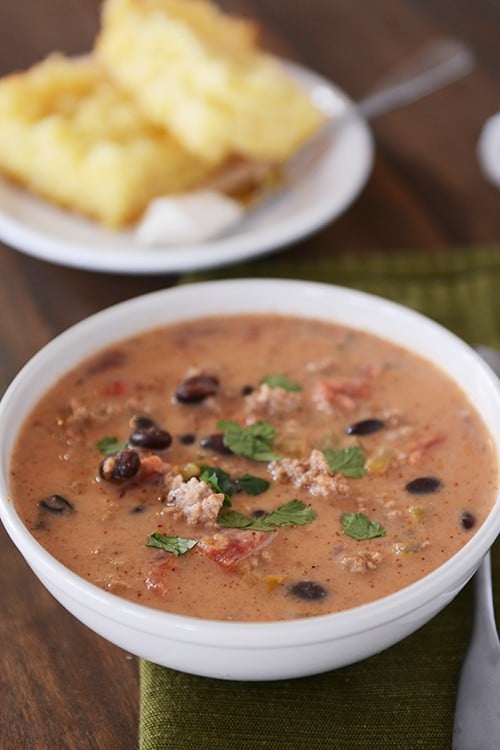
(361, 562)
(266, 400)
(312, 474)
(194, 500)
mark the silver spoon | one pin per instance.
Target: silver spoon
(477, 712)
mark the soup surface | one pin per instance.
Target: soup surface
(253, 468)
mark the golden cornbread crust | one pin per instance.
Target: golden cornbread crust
(197, 71)
(174, 93)
(69, 134)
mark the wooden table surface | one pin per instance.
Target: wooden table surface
(61, 686)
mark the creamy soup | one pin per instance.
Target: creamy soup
(253, 468)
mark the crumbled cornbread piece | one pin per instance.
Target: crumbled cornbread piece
(199, 72)
(70, 135)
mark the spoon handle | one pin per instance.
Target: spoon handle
(439, 63)
(436, 65)
(477, 713)
(484, 617)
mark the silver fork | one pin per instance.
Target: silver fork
(477, 712)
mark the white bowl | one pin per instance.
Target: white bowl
(251, 651)
(488, 150)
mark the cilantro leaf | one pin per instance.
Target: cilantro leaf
(108, 445)
(218, 479)
(233, 519)
(347, 461)
(253, 441)
(293, 513)
(280, 381)
(359, 527)
(221, 481)
(177, 545)
(252, 485)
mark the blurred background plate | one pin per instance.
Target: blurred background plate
(42, 230)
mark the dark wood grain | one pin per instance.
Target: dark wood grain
(61, 686)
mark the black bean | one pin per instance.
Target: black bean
(258, 513)
(137, 509)
(187, 439)
(120, 466)
(467, 520)
(147, 434)
(153, 438)
(197, 388)
(307, 590)
(56, 504)
(142, 423)
(247, 390)
(423, 485)
(216, 443)
(365, 427)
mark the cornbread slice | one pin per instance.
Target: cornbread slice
(199, 72)
(70, 135)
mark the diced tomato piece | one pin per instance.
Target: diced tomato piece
(152, 466)
(420, 448)
(343, 393)
(151, 471)
(115, 388)
(157, 577)
(227, 548)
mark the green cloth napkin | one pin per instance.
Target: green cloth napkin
(403, 697)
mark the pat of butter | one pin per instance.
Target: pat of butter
(188, 218)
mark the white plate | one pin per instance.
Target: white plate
(45, 231)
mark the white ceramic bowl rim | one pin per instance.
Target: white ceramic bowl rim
(241, 296)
